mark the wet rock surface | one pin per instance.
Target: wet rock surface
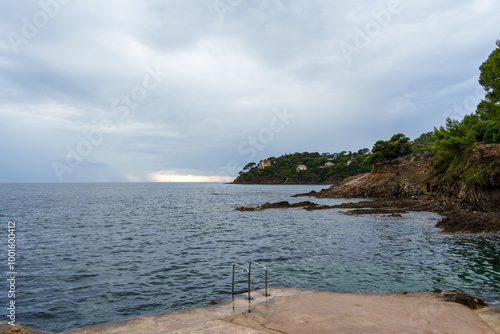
(463, 222)
(312, 193)
(471, 222)
(387, 212)
(461, 298)
(279, 205)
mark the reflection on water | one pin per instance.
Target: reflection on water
(92, 253)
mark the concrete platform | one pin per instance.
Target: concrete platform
(303, 311)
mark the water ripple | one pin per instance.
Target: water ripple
(93, 253)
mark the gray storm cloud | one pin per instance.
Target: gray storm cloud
(172, 90)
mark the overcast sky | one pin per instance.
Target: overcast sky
(150, 90)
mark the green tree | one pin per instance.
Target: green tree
(492, 134)
(425, 139)
(249, 166)
(403, 144)
(398, 146)
(363, 151)
(489, 108)
(452, 140)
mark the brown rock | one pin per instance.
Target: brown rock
(279, 205)
(461, 298)
(471, 222)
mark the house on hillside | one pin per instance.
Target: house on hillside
(349, 162)
(328, 164)
(264, 163)
(301, 167)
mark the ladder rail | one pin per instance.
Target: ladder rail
(248, 271)
(249, 274)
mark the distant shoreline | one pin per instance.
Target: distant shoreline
(283, 184)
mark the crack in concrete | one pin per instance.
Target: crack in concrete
(273, 330)
(250, 320)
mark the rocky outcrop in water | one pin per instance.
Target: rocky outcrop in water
(471, 222)
(280, 205)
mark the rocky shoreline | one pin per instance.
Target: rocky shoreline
(471, 223)
(409, 183)
(454, 223)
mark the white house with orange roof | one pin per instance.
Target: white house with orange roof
(301, 167)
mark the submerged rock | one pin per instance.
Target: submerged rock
(280, 205)
(312, 193)
(388, 212)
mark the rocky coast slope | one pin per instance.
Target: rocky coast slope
(469, 207)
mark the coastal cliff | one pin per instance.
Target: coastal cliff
(402, 177)
(458, 194)
(469, 206)
(407, 177)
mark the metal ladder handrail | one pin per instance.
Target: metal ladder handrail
(248, 271)
(249, 274)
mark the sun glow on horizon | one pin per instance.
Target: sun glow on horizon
(159, 177)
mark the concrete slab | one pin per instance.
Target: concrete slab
(330, 312)
(207, 319)
(303, 311)
(491, 316)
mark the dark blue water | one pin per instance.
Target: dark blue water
(93, 253)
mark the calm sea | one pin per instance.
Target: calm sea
(93, 253)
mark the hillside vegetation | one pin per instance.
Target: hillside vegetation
(284, 168)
